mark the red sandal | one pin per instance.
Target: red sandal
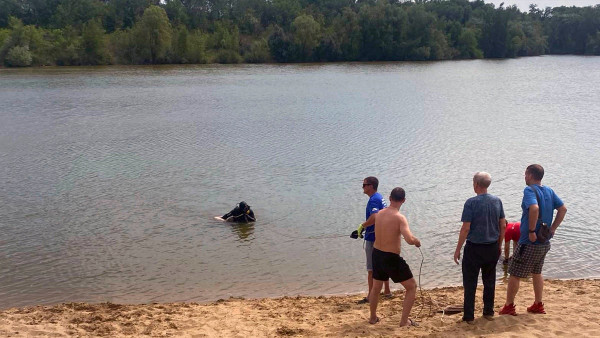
(509, 309)
(537, 308)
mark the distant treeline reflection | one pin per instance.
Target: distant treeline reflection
(96, 32)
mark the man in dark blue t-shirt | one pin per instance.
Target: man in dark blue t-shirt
(528, 256)
(376, 203)
(483, 229)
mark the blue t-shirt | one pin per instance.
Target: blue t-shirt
(549, 201)
(375, 204)
(484, 213)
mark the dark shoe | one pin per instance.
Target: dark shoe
(363, 301)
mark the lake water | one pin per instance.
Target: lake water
(111, 176)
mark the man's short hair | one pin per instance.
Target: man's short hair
(398, 194)
(536, 170)
(373, 181)
(482, 179)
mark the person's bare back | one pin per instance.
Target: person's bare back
(388, 223)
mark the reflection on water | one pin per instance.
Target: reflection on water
(243, 231)
(112, 175)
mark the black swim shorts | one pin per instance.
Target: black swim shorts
(388, 265)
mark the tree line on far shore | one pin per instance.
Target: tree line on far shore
(98, 32)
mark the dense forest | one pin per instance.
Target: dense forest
(96, 32)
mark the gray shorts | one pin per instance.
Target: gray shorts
(528, 259)
(369, 253)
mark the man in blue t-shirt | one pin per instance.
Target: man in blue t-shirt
(376, 203)
(483, 229)
(528, 256)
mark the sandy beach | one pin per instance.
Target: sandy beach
(572, 306)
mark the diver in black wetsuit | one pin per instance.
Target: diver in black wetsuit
(242, 213)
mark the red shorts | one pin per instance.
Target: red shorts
(513, 231)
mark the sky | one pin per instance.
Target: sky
(524, 4)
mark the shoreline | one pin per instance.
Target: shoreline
(274, 63)
(573, 307)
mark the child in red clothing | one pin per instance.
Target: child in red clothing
(513, 232)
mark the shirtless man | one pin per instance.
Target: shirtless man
(390, 224)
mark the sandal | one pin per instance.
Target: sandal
(537, 308)
(411, 322)
(509, 309)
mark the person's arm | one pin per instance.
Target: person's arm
(361, 226)
(405, 231)
(462, 237)
(560, 215)
(370, 221)
(534, 210)
(502, 229)
(530, 201)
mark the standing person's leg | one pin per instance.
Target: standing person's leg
(369, 282)
(488, 275)
(515, 244)
(519, 267)
(470, 270)
(506, 251)
(369, 253)
(374, 299)
(386, 290)
(409, 299)
(538, 281)
(538, 286)
(536, 272)
(512, 289)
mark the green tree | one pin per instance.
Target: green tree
(18, 56)
(4, 34)
(592, 46)
(281, 46)
(176, 12)
(306, 35)
(224, 43)
(94, 48)
(31, 37)
(283, 12)
(515, 40)
(384, 30)
(9, 8)
(535, 42)
(122, 47)
(196, 51)
(76, 12)
(259, 52)
(467, 44)
(123, 14)
(179, 45)
(152, 36)
(37, 12)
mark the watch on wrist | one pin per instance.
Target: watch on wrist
(531, 231)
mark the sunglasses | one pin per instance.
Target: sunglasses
(365, 184)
